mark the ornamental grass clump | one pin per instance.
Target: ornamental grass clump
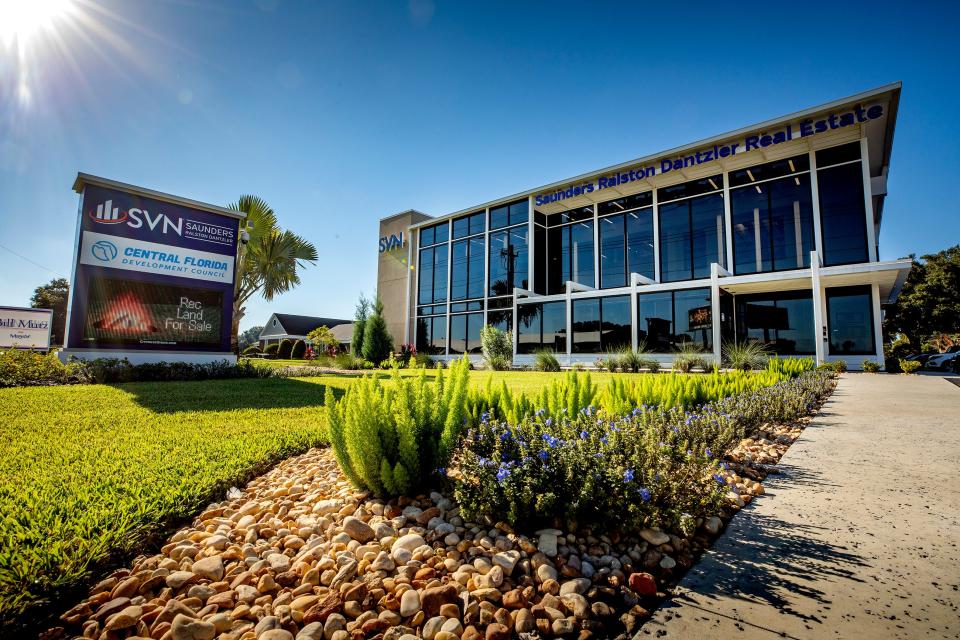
(389, 439)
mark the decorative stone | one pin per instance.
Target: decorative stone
(358, 529)
(654, 536)
(547, 544)
(409, 603)
(210, 568)
(643, 584)
(712, 525)
(184, 628)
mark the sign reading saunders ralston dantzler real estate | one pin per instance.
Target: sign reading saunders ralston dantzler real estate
(22, 328)
(153, 272)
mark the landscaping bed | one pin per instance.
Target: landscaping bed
(301, 553)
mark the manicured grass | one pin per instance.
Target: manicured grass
(90, 471)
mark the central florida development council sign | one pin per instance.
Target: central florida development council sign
(153, 273)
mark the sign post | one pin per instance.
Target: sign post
(153, 277)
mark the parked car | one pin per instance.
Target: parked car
(920, 357)
(943, 361)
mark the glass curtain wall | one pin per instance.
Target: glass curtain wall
(781, 321)
(670, 320)
(465, 333)
(850, 321)
(542, 326)
(772, 216)
(691, 229)
(570, 249)
(842, 215)
(601, 324)
(626, 239)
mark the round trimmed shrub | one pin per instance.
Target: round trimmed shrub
(271, 349)
(283, 351)
(299, 348)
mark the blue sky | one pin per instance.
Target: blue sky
(341, 113)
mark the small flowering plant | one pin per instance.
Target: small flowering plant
(643, 469)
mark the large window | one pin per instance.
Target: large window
(626, 240)
(850, 321)
(435, 234)
(601, 324)
(691, 230)
(509, 261)
(432, 281)
(843, 220)
(542, 326)
(509, 215)
(465, 333)
(570, 252)
(772, 216)
(781, 321)
(466, 269)
(432, 335)
(468, 225)
(670, 320)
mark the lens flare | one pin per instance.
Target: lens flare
(21, 20)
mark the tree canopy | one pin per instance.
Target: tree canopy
(53, 295)
(929, 303)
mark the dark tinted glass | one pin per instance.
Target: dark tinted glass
(620, 205)
(850, 321)
(459, 269)
(769, 170)
(706, 216)
(499, 217)
(675, 250)
(502, 319)
(529, 324)
(613, 252)
(687, 189)
(465, 333)
(842, 217)
(458, 307)
(431, 335)
(440, 273)
(640, 257)
(783, 322)
(693, 318)
(555, 326)
(615, 323)
(500, 303)
(425, 279)
(468, 225)
(581, 253)
(540, 260)
(573, 215)
(655, 321)
(557, 260)
(836, 155)
(772, 225)
(519, 212)
(433, 235)
(586, 326)
(509, 261)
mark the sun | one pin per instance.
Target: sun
(21, 20)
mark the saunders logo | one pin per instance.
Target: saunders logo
(106, 213)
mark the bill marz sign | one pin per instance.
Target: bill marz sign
(391, 242)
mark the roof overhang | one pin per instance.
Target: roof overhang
(878, 131)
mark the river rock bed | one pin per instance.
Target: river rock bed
(299, 554)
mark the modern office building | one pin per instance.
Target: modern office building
(768, 233)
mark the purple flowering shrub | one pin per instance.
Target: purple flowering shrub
(649, 467)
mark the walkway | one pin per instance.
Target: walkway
(859, 537)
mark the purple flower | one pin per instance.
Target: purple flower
(442, 471)
(708, 453)
(628, 475)
(485, 417)
(502, 474)
(583, 435)
(644, 494)
(543, 455)
(719, 478)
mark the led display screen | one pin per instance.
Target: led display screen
(124, 312)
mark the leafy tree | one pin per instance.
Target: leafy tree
(249, 337)
(53, 295)
(377, 343)
(322, 338)
(929, 303)
(269, 263)
(359, 321)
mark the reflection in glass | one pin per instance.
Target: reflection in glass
(842, 218)
(586, 326)
(781, 321)
(509, 261)
(772, 225)
(850, 321)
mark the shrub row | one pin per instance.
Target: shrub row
(650, 467)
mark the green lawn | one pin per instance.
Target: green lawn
(90, 471)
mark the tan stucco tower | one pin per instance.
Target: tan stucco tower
(397, 247)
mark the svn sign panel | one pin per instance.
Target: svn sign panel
(154, 275)
(22, 328)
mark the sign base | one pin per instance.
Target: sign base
(147, 357)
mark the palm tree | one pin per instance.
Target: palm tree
(269, 261)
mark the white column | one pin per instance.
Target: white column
(877, 325)
(531, 255)
(868, 201)
(819, 318)
(634, 336)
(656, 238)
(815, 199)
(486, 264)
(516, 312)
(569, 303)
(728, 221)
(596, 248)
(407, 314)
(715, 310)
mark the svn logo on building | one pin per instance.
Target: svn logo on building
(106, 213)
(391, 242)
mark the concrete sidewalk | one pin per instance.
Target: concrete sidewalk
(858, 537)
